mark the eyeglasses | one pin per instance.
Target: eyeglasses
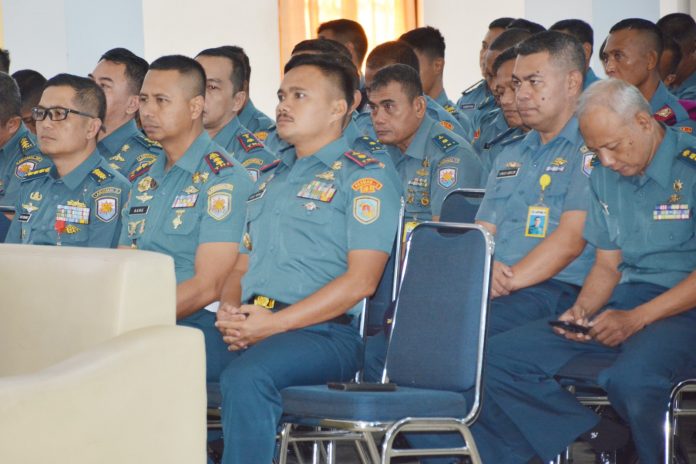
(55, 113)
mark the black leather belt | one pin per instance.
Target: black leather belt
(274, 305)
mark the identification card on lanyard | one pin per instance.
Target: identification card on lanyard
(538, 215)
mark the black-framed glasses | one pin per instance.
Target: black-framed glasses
(55, 113)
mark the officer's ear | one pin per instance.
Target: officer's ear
(339, 109)
(357, 99)
(238, 101)
(653, 59)
(93, 127)
(132, 105)
(439, 64)
(196, 105)
(12, 124)
(575, 82)
(587, 48)
(420, 105)
(644, 120)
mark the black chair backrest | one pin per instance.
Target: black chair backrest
(461, 205)
(438, 335)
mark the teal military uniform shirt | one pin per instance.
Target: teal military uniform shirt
(255, 120)
(491, 124)
(514, 185)
(475, 102)
(687, 89)
(590, 78)
(81, 208)
(650, 218)
(667, 109)
(434, 110)
(18, 156)
(503, 141)
(435, 163)
(461, 117)
(127, 147)
(308, 213)
(242, 145)
(200, 199)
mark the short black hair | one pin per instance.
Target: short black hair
(681, 27)
(509, 38)
(563, 48)
(647, 28)
(4, 60)
(31, 84)
(577, 28)
(321, 46)
(426, 40)
(332, 66)
(348, 31)
(526, 24)
(671, 45)
(402, 74)
(10, 98)
(136, 67)
(500, 23)
(392, 53)
(89, 96)
(184, 65)
(226, 51)
(506, 55)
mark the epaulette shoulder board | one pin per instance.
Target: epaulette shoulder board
(249, 141)
(445, 142)
(473, 87)
(361, 159)
(217, 162)
(100, 175)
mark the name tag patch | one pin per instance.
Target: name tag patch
(507, 172)
(138, 210)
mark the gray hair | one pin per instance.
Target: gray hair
(616, 95)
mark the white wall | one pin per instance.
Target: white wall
(189, 26)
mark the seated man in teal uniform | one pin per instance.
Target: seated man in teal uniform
(429, 45)
(638, 301)
(251, 117)
(681, 27)
(479, 96)
(319, 232)
(76, 200)
(545, 175)
(430, 160)
(633, 52)
(508, 128)
(120, 74)
(224, 97)
(585, 35)
(31, 85)
(190, 203)
(18, 151)
(398, 52)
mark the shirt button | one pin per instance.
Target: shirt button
(671, 236)
(535, 164)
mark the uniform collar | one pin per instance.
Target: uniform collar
(227, 133)
(14, 140)
(442, 99)
(569, 133)
(247, 113)
(351, 132)
(418, 145)
(114, 141)
(327, 154)
(74, 178)
(191, 159)
(660, 167)
(689, 82)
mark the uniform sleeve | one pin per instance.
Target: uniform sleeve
(123, 239)
(224, 212)
(577, 197)
(451, 175)
(14, 232)
(596, 232)
(372, 210)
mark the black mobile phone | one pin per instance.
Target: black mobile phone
(570, 327)
(363, 386)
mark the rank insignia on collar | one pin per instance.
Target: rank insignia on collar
(445, 143)
(360, 159)
(25, 144)
(337, 165)
(217, 162)
(191, 189)
(249, 142)
(99, 175)
(200, 177)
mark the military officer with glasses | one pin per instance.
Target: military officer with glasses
(77, 200)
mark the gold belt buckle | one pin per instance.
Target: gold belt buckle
(264, 301)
